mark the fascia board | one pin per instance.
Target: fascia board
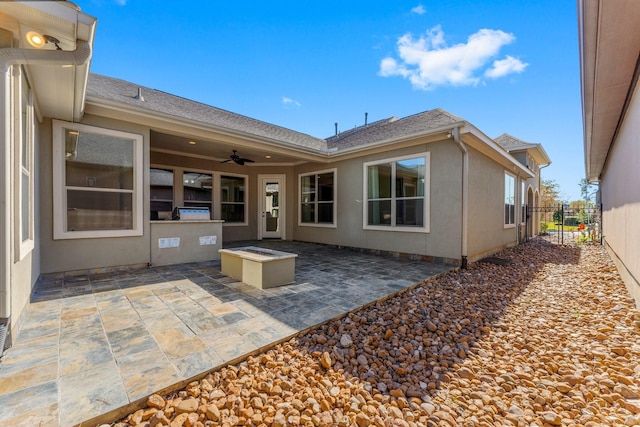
(587, 40)
(489, 147)
(350, 152)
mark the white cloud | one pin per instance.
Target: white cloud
(502, 67)
(121, 2)
(428, 62)
(289, 101)
(419, 10)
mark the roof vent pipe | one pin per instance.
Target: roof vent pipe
(365, 118)
(139, 95)
(336, 124)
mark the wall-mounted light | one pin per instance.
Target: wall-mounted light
(38, 40)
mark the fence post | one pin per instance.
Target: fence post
(562, 222)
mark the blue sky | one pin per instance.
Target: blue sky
(503, 65)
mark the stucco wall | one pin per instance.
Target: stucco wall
(25, 272)
(443, 240)
(620, 189)
(487, 232)
(81, 254)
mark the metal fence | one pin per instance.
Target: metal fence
(584, 222)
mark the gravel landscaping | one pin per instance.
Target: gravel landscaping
(551, 338)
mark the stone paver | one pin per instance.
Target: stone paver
(94, 342)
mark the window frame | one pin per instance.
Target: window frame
(523, 210)
(219, 176)
(173, 189)
(60, 231)
(512, 218)
(23, 129)
(426, 227)
(334, 200)
(194, 202)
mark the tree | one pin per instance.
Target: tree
(550, 193)
(585, 189)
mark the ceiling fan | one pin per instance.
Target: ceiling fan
(237, 159)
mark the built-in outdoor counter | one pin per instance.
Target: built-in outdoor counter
(259, 267)
(177, 242)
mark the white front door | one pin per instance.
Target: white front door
(271, 213)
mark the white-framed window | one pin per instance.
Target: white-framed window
(233, 199)
(523, 205)
(396, 192)
(317, 205)
(509, 199)
(197, 190)
(97, 182)
(24, 134)
(161, 192)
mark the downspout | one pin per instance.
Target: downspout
(8, 58)
(455, 132)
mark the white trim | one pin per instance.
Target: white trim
(59, 185)
(504, 194)
(334, 224)
(281, 204)
(246, 198)
(23, 247)
(426, 228)
(523, 201)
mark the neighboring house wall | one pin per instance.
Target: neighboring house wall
(443, 239)
(620, 192)
(88, 253)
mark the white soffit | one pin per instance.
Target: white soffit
(56, 87)
(610, 43)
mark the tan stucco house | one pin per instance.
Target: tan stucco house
(609, 69)
(93, 169)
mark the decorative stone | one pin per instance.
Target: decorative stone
(156, 401)
(325, 360)
(187, 406)
(552, 418)
(346, 341)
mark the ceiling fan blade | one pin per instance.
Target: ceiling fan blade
(239, 161)
(225, 161)
(246, 160)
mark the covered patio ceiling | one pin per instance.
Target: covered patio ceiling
(218, 151)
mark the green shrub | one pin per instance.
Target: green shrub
(543, 227)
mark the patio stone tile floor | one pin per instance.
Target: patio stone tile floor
(92, 343)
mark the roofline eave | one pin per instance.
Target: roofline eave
(337, 153)
(498, 149)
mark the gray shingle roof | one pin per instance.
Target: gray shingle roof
(123, 92)
(393, 128)
(511, 143)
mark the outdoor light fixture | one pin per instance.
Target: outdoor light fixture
(38, 40)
